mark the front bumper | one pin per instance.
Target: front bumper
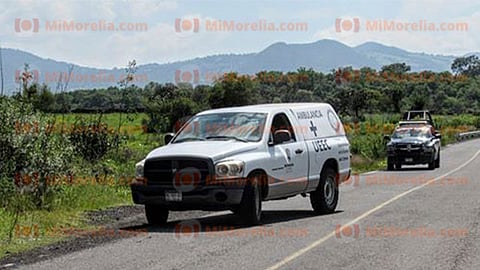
(215, 196)
(411, 158)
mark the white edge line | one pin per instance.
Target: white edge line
(367, 173)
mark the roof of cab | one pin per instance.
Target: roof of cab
(266, 108)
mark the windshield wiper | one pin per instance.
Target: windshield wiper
(226, 137)
(189, 139)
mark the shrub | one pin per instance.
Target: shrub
(29, 153)
(92, 139)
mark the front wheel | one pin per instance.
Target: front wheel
(250, 209)
(437, 161)
(325, 198)
(398, 166)
(390, 164)
(156, 215)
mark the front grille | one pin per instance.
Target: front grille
(406, 147)
(409, 151)
(166, 172)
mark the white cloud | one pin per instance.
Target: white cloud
(162, 44)
(147, 8)
(100, 49)
(437, 42)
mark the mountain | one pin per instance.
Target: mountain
(323, 55)
(384, 55)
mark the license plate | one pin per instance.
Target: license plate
(173, 196)
(408, 159)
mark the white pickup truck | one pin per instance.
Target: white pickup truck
(235, 158)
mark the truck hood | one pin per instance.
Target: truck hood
(215, 150)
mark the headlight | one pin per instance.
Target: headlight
(428, 148)
(139, 169)
(228, 169)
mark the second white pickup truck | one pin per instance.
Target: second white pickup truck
(235, 158)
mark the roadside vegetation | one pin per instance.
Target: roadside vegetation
(66, 153)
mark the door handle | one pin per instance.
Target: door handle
(298, 151)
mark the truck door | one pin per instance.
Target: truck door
(288, 164)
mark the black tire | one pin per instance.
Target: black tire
(236, 210)
(431, 164)
(398, 166)
(390, 164)
(325, 198)
(437, 161)
(250, 209)
(156, 215)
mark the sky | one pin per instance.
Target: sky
(171, 30)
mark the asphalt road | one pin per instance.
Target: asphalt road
(385, 220)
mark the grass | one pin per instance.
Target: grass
(40, 227)
(360, 164)
(131, 122)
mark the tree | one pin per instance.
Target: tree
(44, 101)
(232, 90)
(396, 68)
(304, 96)
(468, 66)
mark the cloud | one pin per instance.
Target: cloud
(147, 8)
(162, 44)
(438, 42)
(93, 48)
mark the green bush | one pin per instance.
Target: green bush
(165, 114)
(30, 153)
(371, 146)
(92, 139)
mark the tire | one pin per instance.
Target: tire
(250, 209)
(431, 164)
(325, 198)
(235, 211)
(398, 166)
(390, 164)
(156, 215)
(437, 161)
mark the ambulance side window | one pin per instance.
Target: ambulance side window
(280, 121)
